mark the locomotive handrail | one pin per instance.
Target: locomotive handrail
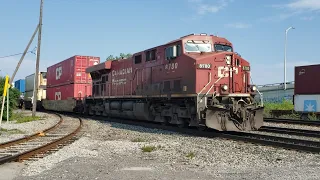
(211, 88)
(206, 84)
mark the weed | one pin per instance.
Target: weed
(190, 155)
(137, 140)
(11, 131)
(148, 148)
(284, 105)
(313, 116)
(20, 118)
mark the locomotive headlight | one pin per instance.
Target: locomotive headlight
(224, 87)
(254, 88)
(228, 59)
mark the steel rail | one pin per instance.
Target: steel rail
(41, 149)
(282, 142)
(32, 136)
(290, 143)
(293, 121)
(297, 132)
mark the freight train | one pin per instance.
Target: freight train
(197, 80)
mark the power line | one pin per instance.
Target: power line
(33, 52)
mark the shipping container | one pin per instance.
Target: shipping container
(68, 91)
(29, 87)
(20, 85)
(71, 71)
(307, 103)
(307, 79)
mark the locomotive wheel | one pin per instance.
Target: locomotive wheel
(182, 123)
(202, 127)
(166, 121)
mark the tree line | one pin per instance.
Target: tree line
(121, 56)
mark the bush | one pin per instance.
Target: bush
(14, 95)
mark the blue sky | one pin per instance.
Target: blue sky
(104, 27)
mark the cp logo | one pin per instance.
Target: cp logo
(224, 71)
(58, 72)
(57, 96)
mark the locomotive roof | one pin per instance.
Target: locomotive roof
(107, 64)
(224, 40)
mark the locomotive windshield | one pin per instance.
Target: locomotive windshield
(221, 47)
(198, 46)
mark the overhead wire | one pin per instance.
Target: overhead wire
(32, 52)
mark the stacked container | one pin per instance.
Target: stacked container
(20, 85)
(68, 79)
(307, 89)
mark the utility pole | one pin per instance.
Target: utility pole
(35, 91)
(24, 53)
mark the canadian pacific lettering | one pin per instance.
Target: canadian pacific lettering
(122, 71)
(116, 73)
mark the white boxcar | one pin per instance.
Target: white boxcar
(307, 103)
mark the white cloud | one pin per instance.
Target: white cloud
(203, 8)
(238, 25)
(294, 8)
(304, 5)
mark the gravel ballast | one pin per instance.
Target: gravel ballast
(18, 130)
(114, 151)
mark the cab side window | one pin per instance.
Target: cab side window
(172, 52)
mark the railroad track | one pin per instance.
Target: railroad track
(289, 131)
(275, 141)
(38, 145)
(287, 143)
(293, 121)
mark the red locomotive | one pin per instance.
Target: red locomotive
(196, 80)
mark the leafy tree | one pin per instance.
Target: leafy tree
(122, 56)
(14, 95)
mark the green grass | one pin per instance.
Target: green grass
(20, 118)
(11, 131)
(284, 105)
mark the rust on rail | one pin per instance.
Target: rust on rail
(49, 146)
(28, 138)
